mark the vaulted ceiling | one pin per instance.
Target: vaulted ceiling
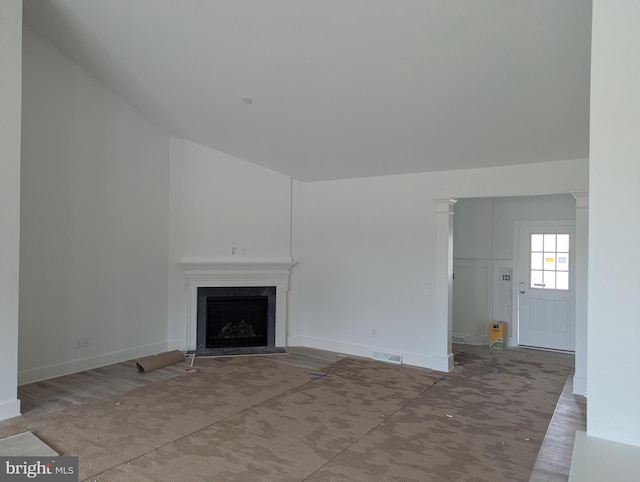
(344, 88)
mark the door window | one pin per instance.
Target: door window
(549, 261)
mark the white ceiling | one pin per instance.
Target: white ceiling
(344, 88)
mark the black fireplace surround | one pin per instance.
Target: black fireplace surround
(235, 319)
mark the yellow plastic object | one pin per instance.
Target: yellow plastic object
(496, 335)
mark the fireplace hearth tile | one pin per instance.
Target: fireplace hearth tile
(235, 351)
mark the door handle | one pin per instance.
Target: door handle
(521, 287)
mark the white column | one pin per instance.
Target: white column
(443, 356)
(581, 260)
(614, 228)
(10, 131)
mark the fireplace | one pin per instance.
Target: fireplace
(236, 317)
(233, 280)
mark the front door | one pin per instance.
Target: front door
(546, 286)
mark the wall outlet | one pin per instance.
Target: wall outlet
(82, 342)
(233, 250)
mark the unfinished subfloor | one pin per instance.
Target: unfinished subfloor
(310, 415)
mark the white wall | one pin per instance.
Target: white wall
(473, 228)
(219, 202)
(364, 265)
(483, 228)
(95, 204)
(367, 250)
(10, 112)
(614, 229)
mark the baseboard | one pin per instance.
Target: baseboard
(461, 338)
(471, 340)
(295, 340)
(412, 359)
(74, 366)
(177, 345)
(9, 409)
(442, 363)
(579, 386)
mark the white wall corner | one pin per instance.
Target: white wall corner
(582, 199)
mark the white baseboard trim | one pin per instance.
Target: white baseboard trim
(412, 359)
(296, 340)
(464, 336)
(177, 345)
(579, 386)
(9, 409)
(442, 363)
(74, 366)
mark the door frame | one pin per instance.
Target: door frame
(515, 315)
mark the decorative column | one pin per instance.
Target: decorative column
(443, 356)
(581, 260)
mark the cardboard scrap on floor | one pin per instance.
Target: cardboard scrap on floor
(25, 444)
(161, 360)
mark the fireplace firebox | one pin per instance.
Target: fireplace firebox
(235, 318)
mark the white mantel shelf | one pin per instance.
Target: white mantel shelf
(236, 271)
(236, 263)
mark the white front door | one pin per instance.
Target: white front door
(546, 286)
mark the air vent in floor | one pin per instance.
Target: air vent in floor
(387, 357)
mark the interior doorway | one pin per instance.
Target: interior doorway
(486, 261)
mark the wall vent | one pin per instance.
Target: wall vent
(387, 357)
(458, 339)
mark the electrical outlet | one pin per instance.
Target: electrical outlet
(233, 250)
(82, 342)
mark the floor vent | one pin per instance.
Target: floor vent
(457, 339)
(387, 357)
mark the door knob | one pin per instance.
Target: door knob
(521, 287)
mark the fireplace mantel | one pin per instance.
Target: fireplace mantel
(236, 263)
(236, 271)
